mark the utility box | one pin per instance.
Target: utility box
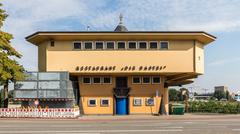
(176, 109)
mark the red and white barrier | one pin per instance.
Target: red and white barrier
(40, 113)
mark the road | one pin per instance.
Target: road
(119, 125)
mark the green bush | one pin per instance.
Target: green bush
(215, 107)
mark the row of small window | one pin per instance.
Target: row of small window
(136, 102)
(146, 80)
(135, 80)
(148, 102)
(97, 80)
(111, 45)
(103, 102)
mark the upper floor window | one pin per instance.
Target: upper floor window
(77, 45)
(153, 45)
(88, 45)
(143, 45)
(121, 45)
(99, 45)
(87, 80)
(146, 80)
(164, 44)
(110, 45)
(136, 80)
(156, 80)
(52, 43)
(107, 80)
(96, 80)
(132, 45)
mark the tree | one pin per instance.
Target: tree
(183, 94)
(10, 70)
(219, 94)
(173, 94)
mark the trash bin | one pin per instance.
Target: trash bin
(176, 109)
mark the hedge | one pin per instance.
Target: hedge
(214, 107)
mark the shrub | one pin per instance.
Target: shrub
(215, 107)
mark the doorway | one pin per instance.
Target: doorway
(121, 101)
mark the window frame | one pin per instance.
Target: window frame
(150, 45)
(89, 79)
(156, 77)
(147, 104)
(114, 47)
(143, 80)
(160, 45)
(88, 42)
(136, 77)
(132, 48)
(81, 47)
(136, 105)
(125, 46)
(106, 77)
(90, 105)
(143, 48)
(96, 77)
(104, 105)
(95, 45)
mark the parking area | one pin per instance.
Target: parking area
(187, 124)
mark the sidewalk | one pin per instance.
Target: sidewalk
(188, 117)
(161, 117)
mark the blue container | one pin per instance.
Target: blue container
(121, 106)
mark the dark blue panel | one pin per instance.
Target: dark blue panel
(121, 106)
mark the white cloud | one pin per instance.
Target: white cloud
(224, 61)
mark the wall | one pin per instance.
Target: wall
(42, 56)
(143, 91)
(199, 57)
(96, 91)
(179, 51)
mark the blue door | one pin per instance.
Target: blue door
(121, 106)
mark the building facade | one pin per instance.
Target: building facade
(123, 72)
(221, 88)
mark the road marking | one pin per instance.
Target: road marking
(165, 125)
(92, 131)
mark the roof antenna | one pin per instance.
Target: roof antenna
(88, 28)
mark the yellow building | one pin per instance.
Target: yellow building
(121, 71)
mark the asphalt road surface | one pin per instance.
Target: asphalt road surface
(122, 125)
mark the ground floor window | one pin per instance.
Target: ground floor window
(92, 102)
(137, 102)
(104, 102)
(149, 102)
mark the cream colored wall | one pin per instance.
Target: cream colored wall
(199, 58)
(96, 91)
(62, 57)
(143, 91)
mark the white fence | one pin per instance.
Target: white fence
(39, 113)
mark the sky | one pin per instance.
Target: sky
(220, 18)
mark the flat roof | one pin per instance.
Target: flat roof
(41, 36)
